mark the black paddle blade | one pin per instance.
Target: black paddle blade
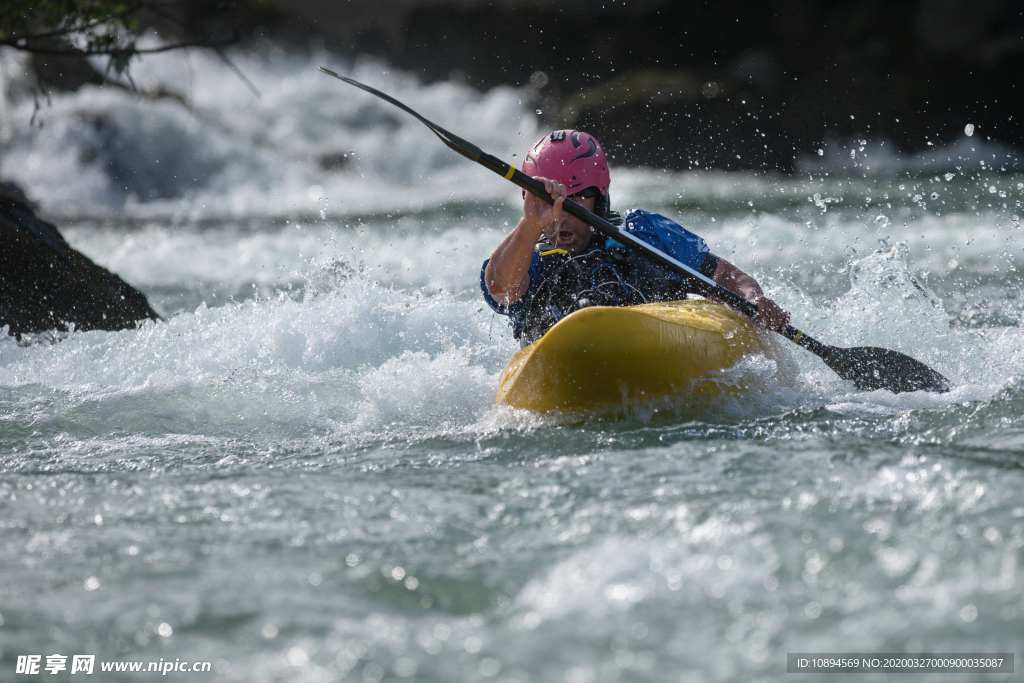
(870, 368)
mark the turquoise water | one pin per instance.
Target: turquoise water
(300, 474)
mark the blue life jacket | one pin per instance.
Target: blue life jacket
(605, 274)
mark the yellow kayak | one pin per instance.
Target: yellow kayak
(601, 357)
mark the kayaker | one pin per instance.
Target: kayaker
(552, 263)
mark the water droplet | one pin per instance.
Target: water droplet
(821, 152)
(948, 177)
(935, 195)
(539, 112)
(881, 222)
(969, 129)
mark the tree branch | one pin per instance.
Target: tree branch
(129, 50)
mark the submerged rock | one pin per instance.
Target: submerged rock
(45, 285)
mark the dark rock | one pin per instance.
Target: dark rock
(45, 285)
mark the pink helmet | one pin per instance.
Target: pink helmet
(571, 157)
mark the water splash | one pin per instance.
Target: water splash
(888, 304)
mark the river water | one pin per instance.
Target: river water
(300, 475)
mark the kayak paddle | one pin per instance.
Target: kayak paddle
(868, 367)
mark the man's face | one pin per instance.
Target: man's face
(570, 233)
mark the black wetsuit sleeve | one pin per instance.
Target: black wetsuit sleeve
(710, 265)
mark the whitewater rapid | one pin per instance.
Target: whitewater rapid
(299, 473)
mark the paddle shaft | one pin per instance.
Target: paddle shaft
(706, 286)
(868, 367)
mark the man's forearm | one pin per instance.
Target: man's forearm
(735, 280)
(507, 275)
(769, 314)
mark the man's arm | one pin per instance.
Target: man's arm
(769, 314)
(507, 275)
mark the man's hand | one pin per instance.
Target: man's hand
(507, 276)
(537, 212)
(769, 314)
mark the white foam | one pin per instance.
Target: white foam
(417, 388)
(348, 348)
(239, 203)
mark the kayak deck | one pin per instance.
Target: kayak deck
(607, 356)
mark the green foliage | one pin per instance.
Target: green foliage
(81, 28)
(68, 26)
